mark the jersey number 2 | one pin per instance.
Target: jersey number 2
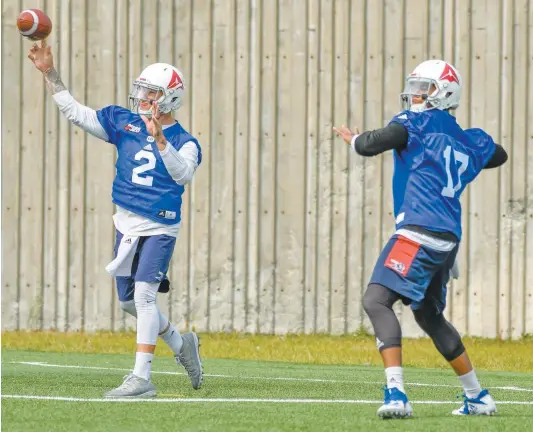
(461, 158)
(145, 180)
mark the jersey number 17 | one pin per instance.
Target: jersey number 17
(452, 171)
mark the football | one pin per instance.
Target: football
(34, 24)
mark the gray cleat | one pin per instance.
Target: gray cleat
(189, 357)
(133, 387)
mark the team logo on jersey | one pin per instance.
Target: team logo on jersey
(130, 128)
(449, 74)
(150, 139)
(175, 81)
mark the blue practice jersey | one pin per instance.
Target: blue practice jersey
(142, 184)
(434, 169)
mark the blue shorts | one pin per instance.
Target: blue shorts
(150, 263)
(417, 272)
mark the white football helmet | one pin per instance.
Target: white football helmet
(434, 84)
(158, 82)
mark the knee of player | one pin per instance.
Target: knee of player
(145, 294)
(449, 346)
(368, 303)
(371, 300)
(128, 306)
(457, 350)
(444, 335)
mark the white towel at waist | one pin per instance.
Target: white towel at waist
(121, 265)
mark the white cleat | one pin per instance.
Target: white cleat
(396, 405)
(483, 404)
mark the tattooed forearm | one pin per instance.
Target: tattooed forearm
(53, 81)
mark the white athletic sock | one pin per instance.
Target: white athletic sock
(143, 365)
(470, 384)
(395, 378)
(169, 334)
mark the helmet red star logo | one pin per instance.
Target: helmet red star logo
(175, 80)
(448, 74)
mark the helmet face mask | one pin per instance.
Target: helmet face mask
(434, 84)
(142, 96)
(161, 83)
(419, 94)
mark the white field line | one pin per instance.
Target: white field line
(414, 384)
(240, 400)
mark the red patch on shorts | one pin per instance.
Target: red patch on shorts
(402, 255)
